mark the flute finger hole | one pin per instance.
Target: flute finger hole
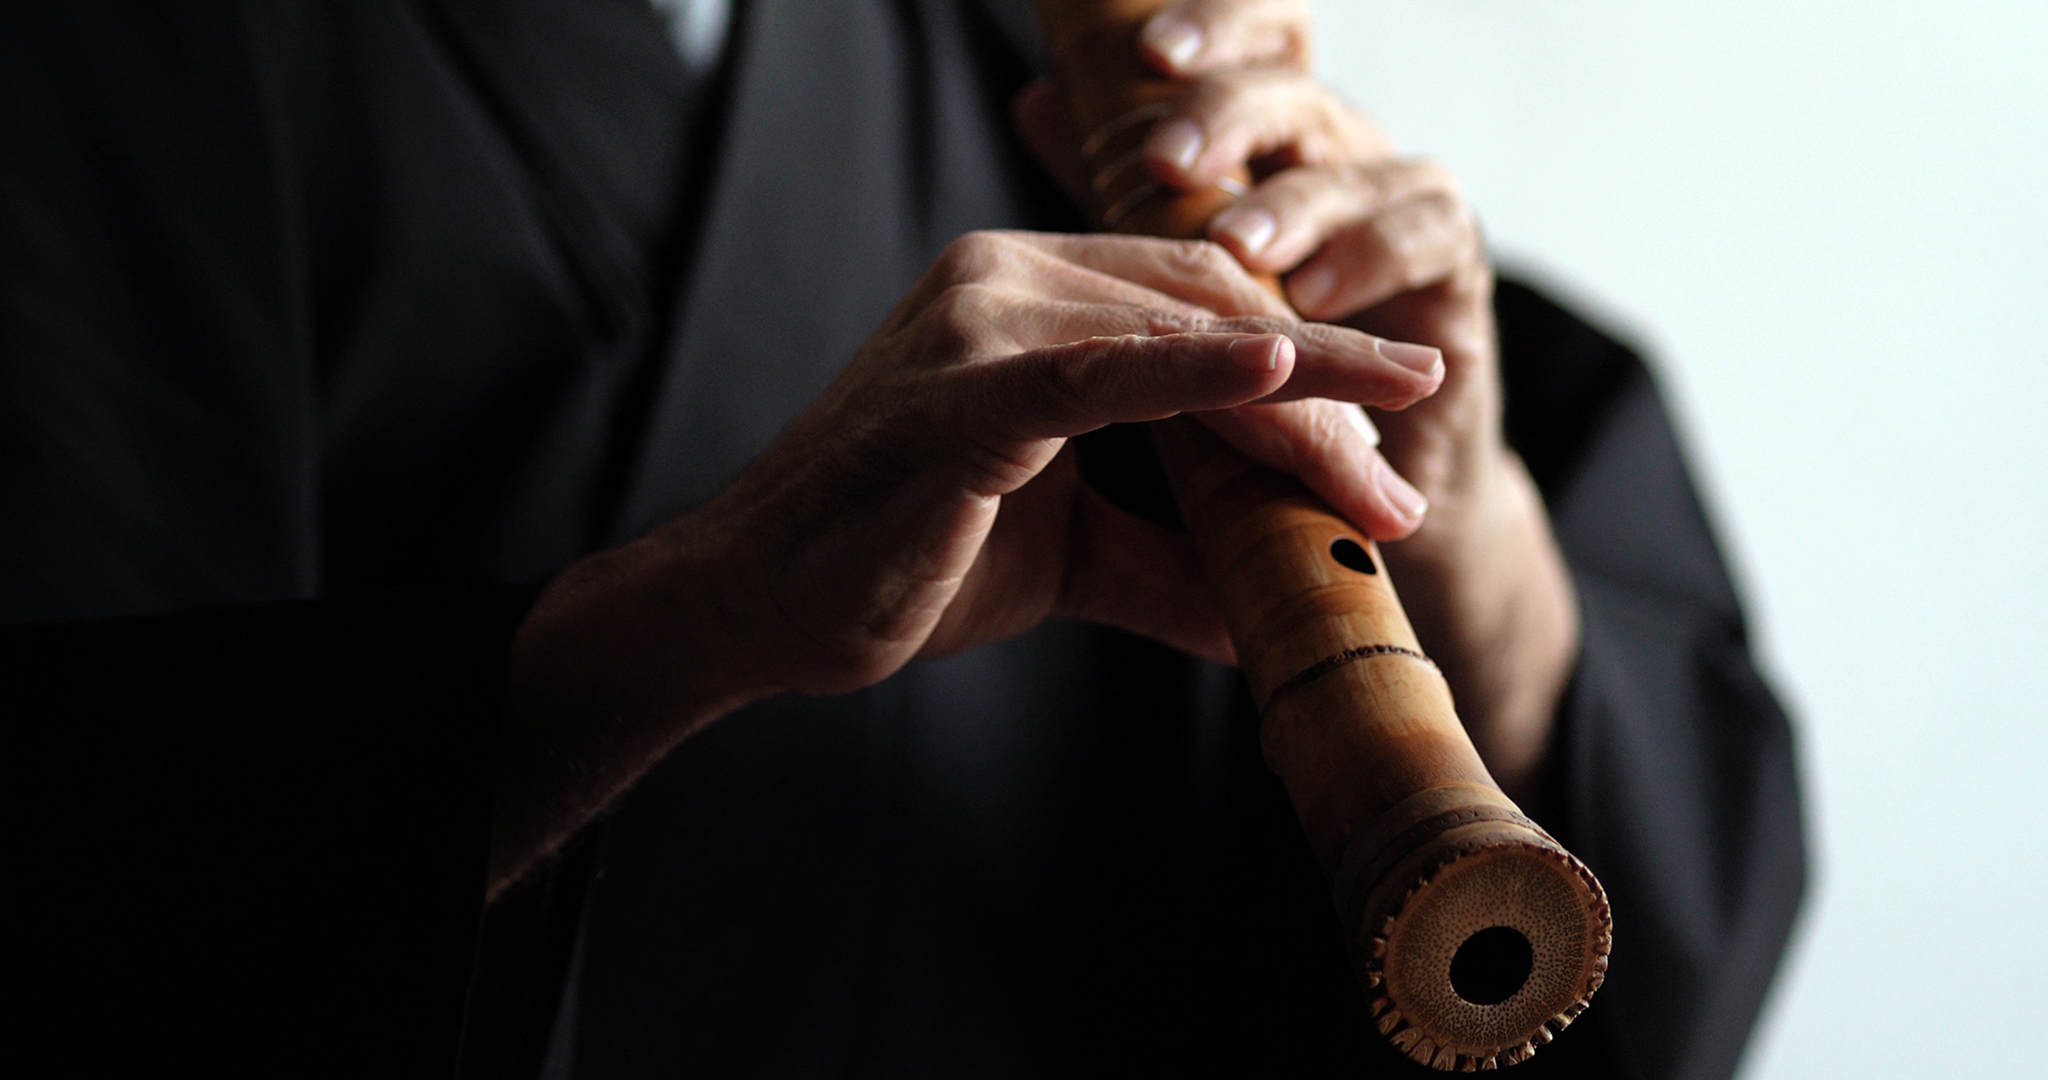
(1352, 555)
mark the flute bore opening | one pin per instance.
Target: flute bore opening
(1491, 965)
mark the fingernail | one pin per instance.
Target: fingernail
(1420, 359)
(1308, 289)
(1262, 353)
(1174, 38)
(1407, 501)
(1177, 141)
(1250, 226)
(1356, 414)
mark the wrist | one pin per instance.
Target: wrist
(624, 655)
(647, 631)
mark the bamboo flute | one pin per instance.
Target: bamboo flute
(1476, 936)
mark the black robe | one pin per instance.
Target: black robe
(326, 331)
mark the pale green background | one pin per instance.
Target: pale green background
(1828, 221)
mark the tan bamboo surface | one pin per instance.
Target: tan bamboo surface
(1428, 860)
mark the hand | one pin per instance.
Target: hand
(927, 503)
(1386, 244)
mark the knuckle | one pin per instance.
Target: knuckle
(1472, 280)
(976, 256)
(1451, 221)
(1304, 434)
(1199, 258)
(1113, 370)
(962, 258)
(963, 300)
(1470, 236)
(1433, 175)
(1296, 49)
(1374, 242)
(1367, 182)
(1423, 239)
(962, 316)
(1154, 322)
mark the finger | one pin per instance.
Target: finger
(1194, 272)
(1042, 300)
(1195, 37)
(1068, 389)
(1286, 218)
(1346, 364)
(1405, 247)
(1046, 124)
(1456, 315)
(1131, 574)
(1087, 340)
(1232, 118)
(1331, 447)
(1005, 292)
(1063, 390)
(1033, 315)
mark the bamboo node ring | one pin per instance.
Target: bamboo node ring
(1331, 663)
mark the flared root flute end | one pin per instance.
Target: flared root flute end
(1477, 937)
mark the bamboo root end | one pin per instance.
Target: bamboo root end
(1481, 944)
